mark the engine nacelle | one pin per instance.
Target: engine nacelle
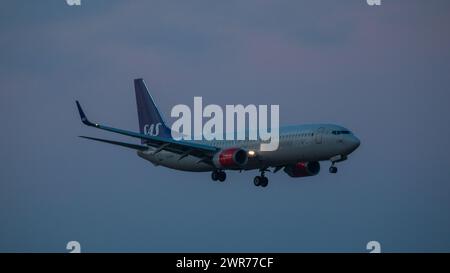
(303, 169)
(233, 158)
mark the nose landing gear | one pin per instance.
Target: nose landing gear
(334, 160)
(333, 169)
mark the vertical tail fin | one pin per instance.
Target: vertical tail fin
(150, 120)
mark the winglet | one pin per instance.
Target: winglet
(83, 116)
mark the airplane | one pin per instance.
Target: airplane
(300, 149)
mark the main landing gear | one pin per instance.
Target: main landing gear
(218, 175)
(261, 180)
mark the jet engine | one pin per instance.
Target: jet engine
(303, 169)
(233, 158)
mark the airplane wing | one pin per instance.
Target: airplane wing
(184, 148)
(122, 144)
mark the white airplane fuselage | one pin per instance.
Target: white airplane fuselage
(302, 143)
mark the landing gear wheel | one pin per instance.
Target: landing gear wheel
(264, 182)
(333, 169)
(214, 176)
(222, 176)
(261, 181)
(257, 181)
(218, 176)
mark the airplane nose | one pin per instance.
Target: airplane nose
(354, 143)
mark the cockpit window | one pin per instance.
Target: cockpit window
(344, 132)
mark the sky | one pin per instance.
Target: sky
(382, 72)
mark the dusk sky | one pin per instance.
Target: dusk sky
(383, 72)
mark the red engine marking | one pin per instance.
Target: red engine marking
(226, 157)
(300, 169)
